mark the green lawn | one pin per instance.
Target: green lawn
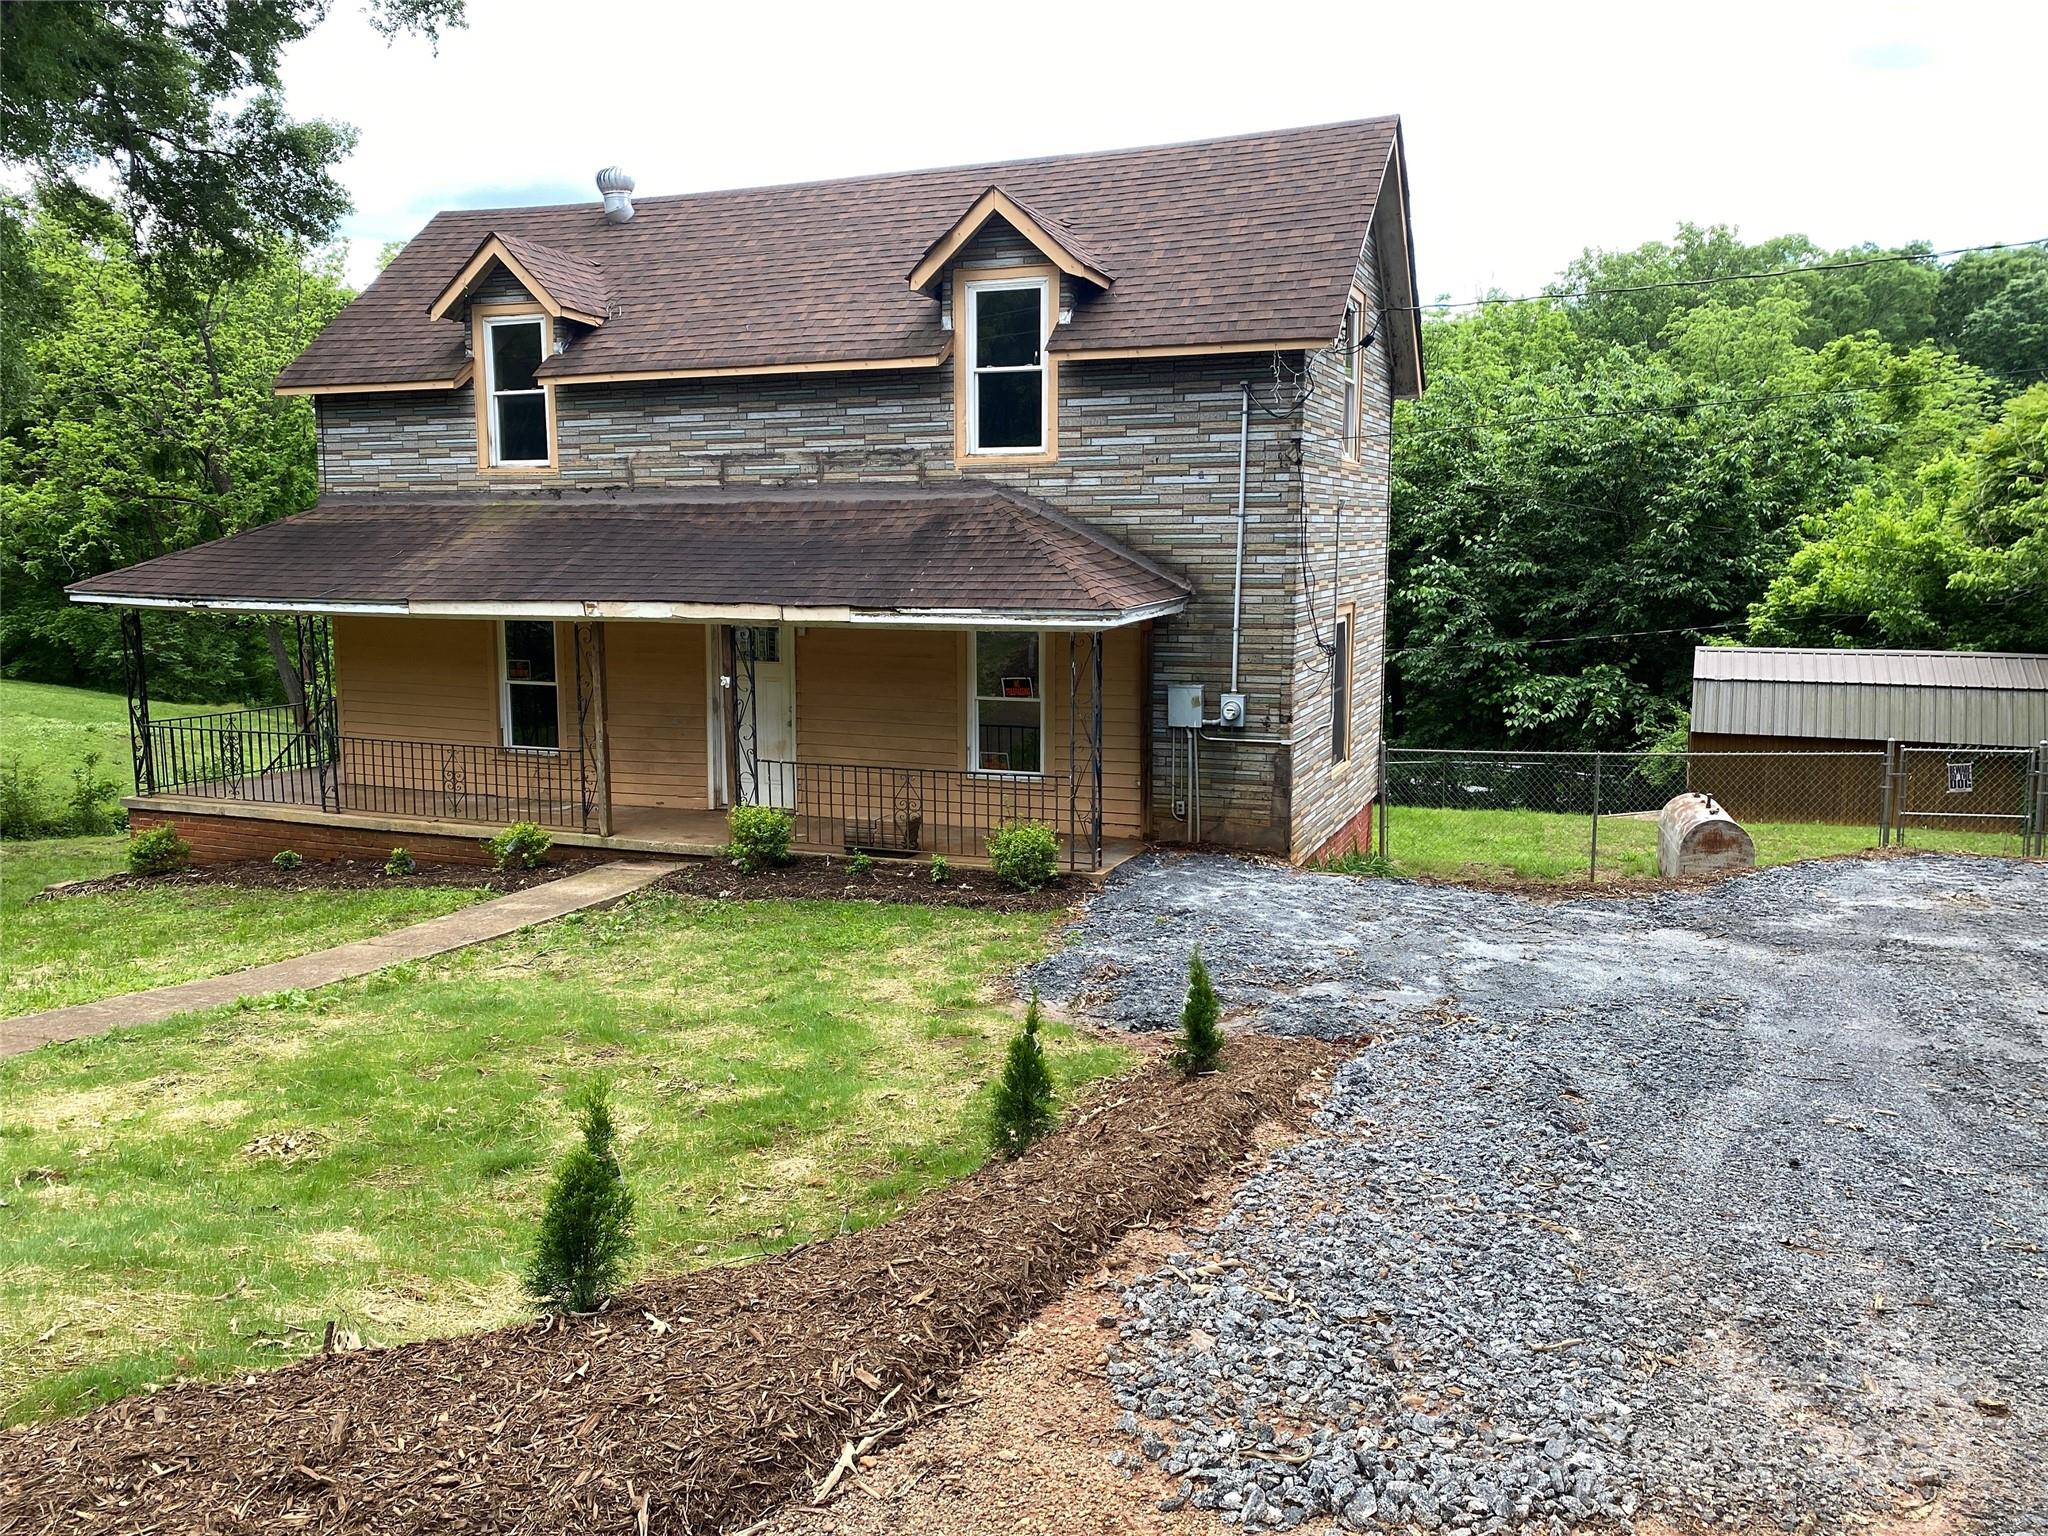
(84, 947)
(200, 1197)
(1541, 845)
(51, 729)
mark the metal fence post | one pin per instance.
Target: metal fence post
(1593, 850)
(1382, 796)
(2041, 801)
(1884, 808)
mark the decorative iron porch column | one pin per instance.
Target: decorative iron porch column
(135, 672)
(593, 731)
(319, 726)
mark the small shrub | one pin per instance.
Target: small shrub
(22, 811)
(862, 863)
(523, 845)
(400, 863)
(93, 808)
(760, 837)
(1022, 1110)
(161, 852)
(1375, 864)
(1025, 854)
(941, 870)
(1200, 1046)
(586, 1228)
(284, 858)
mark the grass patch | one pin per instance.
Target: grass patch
(199, 1197)
(51, 728)
(1544, 845)
(86, 947)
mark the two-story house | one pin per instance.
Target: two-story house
(918, 503)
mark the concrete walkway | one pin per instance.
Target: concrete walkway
(491, 919)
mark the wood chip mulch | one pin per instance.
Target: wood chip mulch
(699, 1403)
(901, 881)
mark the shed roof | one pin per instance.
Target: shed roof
(1976, 698)
(1245, 243)
(1916, 669)
(959, 553)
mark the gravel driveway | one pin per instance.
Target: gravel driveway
(1724, 1205)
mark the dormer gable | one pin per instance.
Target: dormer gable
(1050, 236)
(564, 285)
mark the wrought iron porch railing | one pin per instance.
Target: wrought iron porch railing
(260, 749)
(906, 812)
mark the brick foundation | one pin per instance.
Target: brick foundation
(231, 839)
(1355, 832)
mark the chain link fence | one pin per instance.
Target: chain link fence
(1593, 815)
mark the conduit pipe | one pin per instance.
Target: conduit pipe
(1244, 433)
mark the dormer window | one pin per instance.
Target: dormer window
(516, 416)
(1008, 403)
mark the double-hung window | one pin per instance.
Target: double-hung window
(1008, 321)
(1354, 327)
(517, 421)
(1340, 691)
(532, 701)
(1008, 703)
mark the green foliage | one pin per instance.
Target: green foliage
(586, 1228)
(523, 845)
(1374, 865)
(1024, 854)
(761, 837)
(23, 812)
(862, 863)
(90, 809)
(400, 863)
(93, 807)
(1199, 1047)
(159, 852)
(942, 869)
(286, 859)
(1957, 555)
(1992, 307)
(1021, 1110)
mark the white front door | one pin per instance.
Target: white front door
(774, 723)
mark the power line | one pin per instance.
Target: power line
(1730, 277)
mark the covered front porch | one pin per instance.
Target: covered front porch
(902, 668)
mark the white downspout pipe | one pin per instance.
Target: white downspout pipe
(1244, 433)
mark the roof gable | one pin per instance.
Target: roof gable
(1052, 239)
(564, 284)
(1239, 244)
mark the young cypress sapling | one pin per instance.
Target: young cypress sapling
(586, 1229)
(1200, 1047)
(1022, 1111)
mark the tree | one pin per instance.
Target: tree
(146, 427)
(1956, 556)
(1200, 1045)
(586, 1229)
(163, 118)
(1022, 1109)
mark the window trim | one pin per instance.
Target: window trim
(973, 744)
(1354, 379)
(482, 318)
(506, 684)
(1344, 680)
(968, 281)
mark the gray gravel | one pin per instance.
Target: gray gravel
(1726, 1204)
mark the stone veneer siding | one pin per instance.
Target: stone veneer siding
(1148, 453)
(1347, 515)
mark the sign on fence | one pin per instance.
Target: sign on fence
(1961, 778)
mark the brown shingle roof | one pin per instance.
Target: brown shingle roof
(881, 550)
(1238, 241)
(570, 280)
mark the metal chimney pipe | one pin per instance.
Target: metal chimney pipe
(617, 189)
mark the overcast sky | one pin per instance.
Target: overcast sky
(1532, 130)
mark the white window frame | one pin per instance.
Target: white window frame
(493, 394)
(506, 683)
(1354, 396)
(974, 709)
(1343, 684)
(1044, 368)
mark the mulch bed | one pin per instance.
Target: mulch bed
(890, 880)
(335, 875)
(698, 1403)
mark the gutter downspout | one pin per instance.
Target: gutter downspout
(1244, 432)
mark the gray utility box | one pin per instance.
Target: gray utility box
(1183, 706)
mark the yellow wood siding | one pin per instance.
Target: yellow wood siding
(417, 679)
(885, 697)
(1123, 715)
(654, 691)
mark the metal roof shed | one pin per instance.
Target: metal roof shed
(1965, 698)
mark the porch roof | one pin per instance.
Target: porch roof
(968, 552)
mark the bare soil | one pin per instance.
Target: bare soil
(697, 1403)
(901, 881)
(334, 875)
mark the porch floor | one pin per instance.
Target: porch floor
(635, 828)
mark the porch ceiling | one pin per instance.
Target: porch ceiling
(964, 553)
